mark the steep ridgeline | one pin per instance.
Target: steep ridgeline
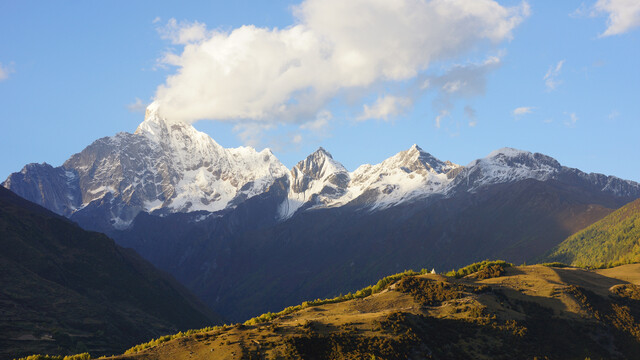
(249, 236)
(66, 290)
(320, 181)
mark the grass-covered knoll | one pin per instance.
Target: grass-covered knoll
(369, 290)
(544, 312)
(162, 339)
(612, 241)
(484, 269)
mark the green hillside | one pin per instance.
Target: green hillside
(613, 240)
(65, 290)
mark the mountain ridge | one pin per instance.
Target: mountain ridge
(168, 167)
(317, 228)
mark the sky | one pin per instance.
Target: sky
(362, 79)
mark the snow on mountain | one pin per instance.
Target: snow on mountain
(317, 180)
(409, 174)
(509, 165)
(207, 176)
(320, 181)
(168, 166)
(505, 165)
(164, 166)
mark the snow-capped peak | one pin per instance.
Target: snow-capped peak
(317, 180)
(320, 164)
(172, 167)
(506, 165)
(321, 181)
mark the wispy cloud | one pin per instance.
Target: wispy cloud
(551, 80)
(472, 115)
(460, 82)
(385, 108)
(443, 114)
(572, 120)
(320, 123)
(5, 71)
(137, 106)
(523, 110)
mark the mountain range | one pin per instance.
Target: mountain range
(247, 235)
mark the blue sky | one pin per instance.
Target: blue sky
(559, 78)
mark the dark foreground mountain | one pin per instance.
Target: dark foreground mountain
(247, 235)
(523, 312)
(612, 240)
(66, 290)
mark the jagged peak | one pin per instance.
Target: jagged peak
(321, 152)
(318, 164)
(415, 159)
(415, 147)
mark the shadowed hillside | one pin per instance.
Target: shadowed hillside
(66, 290)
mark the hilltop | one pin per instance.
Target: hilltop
(499, 312)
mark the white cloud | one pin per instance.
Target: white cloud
(613, 115)
(624, 15)
(551, 77)
(297, 139)
(290, 74)
(385, 107)
(182, 33)
(137, 106)
(5, 71)
(523, 110)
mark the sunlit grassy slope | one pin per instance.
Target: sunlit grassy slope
(614, 240)
(492, 312)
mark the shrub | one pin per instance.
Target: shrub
(83, 356)
(475, 267)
